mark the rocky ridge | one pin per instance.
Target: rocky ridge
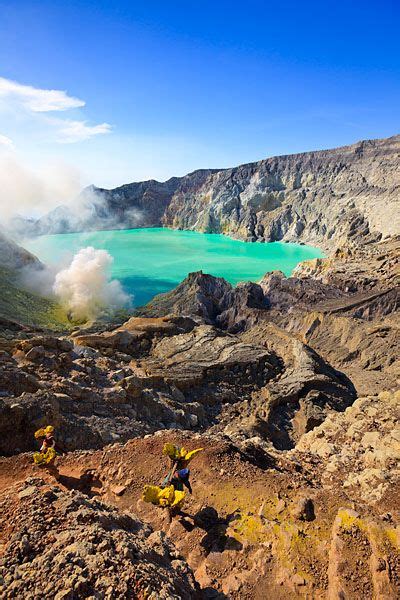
(323, 198)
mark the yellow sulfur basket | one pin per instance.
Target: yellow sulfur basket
(176, 453)
(163, 497)
(44, 458)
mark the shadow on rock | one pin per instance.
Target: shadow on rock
(213, 594)
(88, 483)
(216, 538)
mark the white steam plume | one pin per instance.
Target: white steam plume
(37, 201)
(86, 289)
(32, 192)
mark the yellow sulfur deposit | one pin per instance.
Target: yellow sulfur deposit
(176, 453)
(41, 433)
(44, 458)
(164, 497)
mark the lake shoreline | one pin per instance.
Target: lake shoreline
(153, 260)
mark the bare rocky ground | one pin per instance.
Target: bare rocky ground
(286, 525)
(291, 385)
(61, 544)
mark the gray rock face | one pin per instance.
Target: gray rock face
(13, 256)
(211, 299)
(199, 294)
(322, 198)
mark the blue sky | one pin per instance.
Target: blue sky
(155, 89)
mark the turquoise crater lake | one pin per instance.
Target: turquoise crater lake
(154, 260)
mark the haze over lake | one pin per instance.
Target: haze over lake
(154, 260)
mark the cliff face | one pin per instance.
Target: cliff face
(146, 203)
(322, 198)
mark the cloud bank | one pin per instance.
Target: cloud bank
(78, 131)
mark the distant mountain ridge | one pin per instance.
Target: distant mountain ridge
(324, 198)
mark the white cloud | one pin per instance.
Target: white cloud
(78, 131)
(6, 141)
(37, 99)
(30, 105)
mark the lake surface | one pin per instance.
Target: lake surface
(150, 261)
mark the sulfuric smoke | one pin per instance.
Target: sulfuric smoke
(85, 287)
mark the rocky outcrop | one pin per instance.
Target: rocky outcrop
(135, 337)
(359, 449)
(198, 294)
(212, 300)
(284, 293)
(209, 354)
(90, 398)
(323, 198)
(361, 282)
(164, 373)
(304, 392)
(60, 544)
(357, 269)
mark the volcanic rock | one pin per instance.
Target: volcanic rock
(64, 545)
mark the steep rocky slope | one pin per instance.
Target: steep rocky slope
(322, 198)
(60, 544)
(13, 256)
(18, 305)
(310, 523)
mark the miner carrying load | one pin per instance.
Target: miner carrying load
(47, 453)
(180, 480)
(171, 494)
(179, 473)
